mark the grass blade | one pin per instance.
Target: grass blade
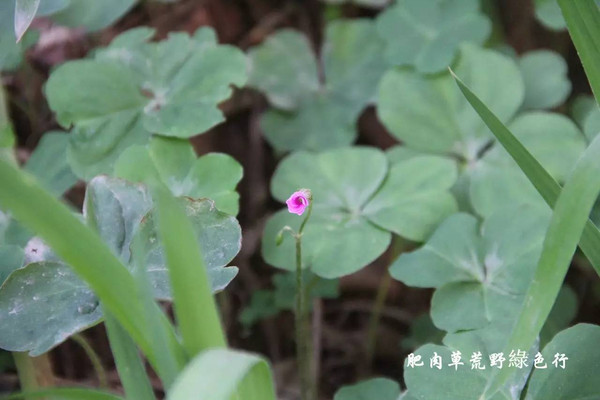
(80, 247)
(583, 21)
(129, 363)
(170, 363)
(65, 394)
(221, 373)
(566, 226)
(548, 188)
(195, 309)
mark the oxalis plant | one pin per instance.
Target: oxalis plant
(484, 201)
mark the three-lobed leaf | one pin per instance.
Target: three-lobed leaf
(358, 202)
(134, 88)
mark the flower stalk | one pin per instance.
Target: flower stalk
(297, 204)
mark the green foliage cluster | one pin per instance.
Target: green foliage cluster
(493, 184)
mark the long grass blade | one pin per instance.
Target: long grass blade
(547, 187)
(583, 21)
(221, 373)
(65, 394)
(195, 309)
(566, 226)
(129, 363)
(170, 363)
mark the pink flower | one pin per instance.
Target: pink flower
(298, 201)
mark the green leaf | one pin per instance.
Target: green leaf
(66, 394)
(174, 163)
(476, 271)
(284, 68)
(133, 89)
(548, 13)
(91, 14)
(309, 113)
(220, 372)
(568, 221)
(11, 258)
(448, 383)
(48, 163)
(545, 76)
(562, 314)
(427, 36)
(82, 249)
(354, 193)
(115, 208)
(362, 3)
(537, 175)
(43, 304)
(422, 331)
(219, 236)
(431, 116)
(193, 302)
(25, 11)
(577, 379)
(377, 388)
(11, 52)
(496, 179)
(583, 21)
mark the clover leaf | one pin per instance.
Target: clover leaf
(358, 202)
(496, 180)
(362, 3)
(173, 162)
(545, 76)
(219, 236)
(427, 35)
(134, 88)
(41, 305)
(377, 388)
(90, 14)
(432, 116)
(47, 313)
(548, 13)
(310, 112)
(576, 380)
(479, 272)
(48, 163)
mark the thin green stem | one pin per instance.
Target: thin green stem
(94, 359)
(380, 300)
(303, 339)
(34, 373)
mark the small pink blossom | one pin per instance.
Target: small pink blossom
(298, 201)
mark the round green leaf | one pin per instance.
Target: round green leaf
(545, 76)
(432, 116)
(496, 180)
(284, 68)
(174, 163)
(92, 15)
(133, 89)
(477, 271)
(48, 163)
(115, 209)
(578, 379)
(357, 202)
(312, 114)
(549, 14)
(41, 305)
(377, 388)
(219, 236)
(427, 36)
